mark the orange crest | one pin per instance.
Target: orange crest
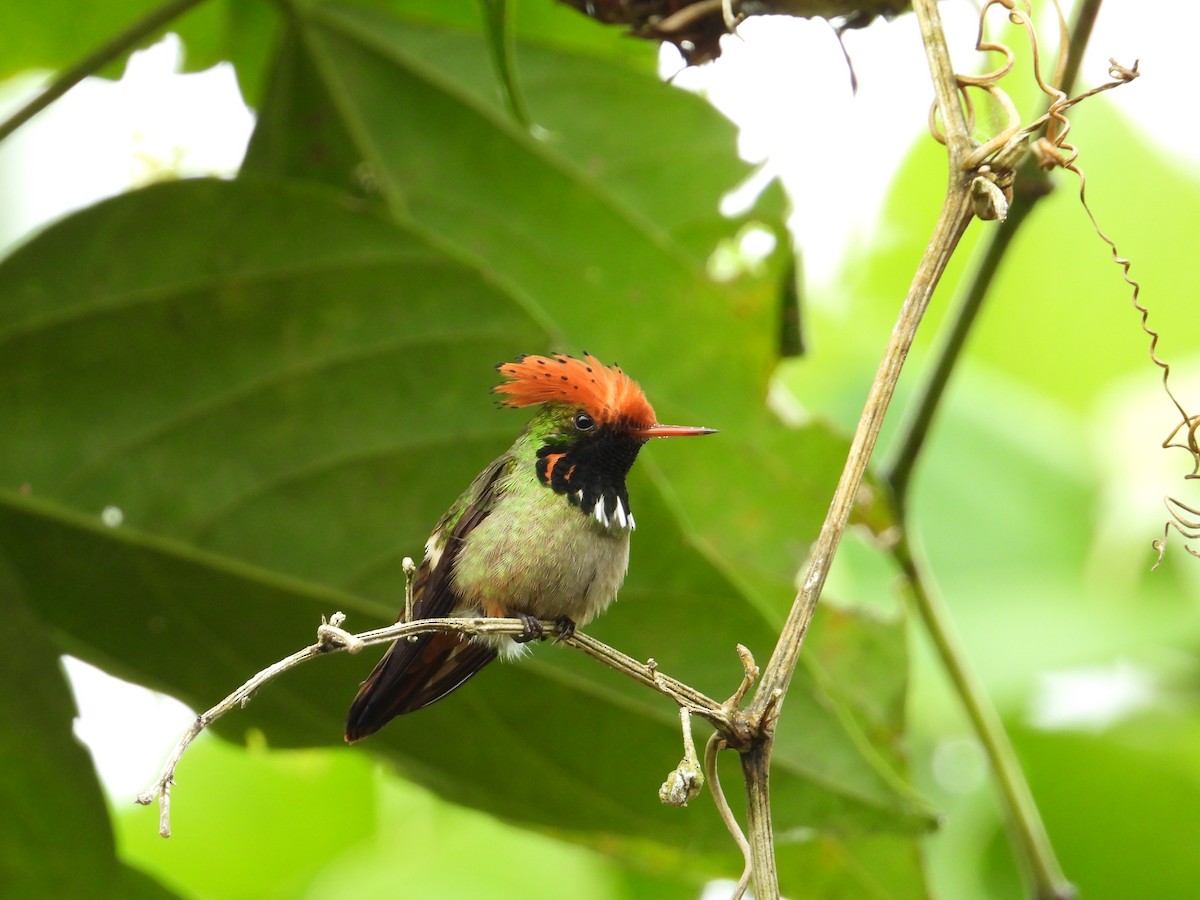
(607, 393)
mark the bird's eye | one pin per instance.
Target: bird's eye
(583, 422)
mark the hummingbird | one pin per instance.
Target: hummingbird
(541, 533)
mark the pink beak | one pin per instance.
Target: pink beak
(657, 431)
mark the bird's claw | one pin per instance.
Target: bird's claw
(532, 626)
(564, 627)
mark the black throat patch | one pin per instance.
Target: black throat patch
(590, 472)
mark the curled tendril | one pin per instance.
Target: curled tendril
(1017, 17)
(998, 156)
(1058, 153)
(990, 83)
(1178, 519)
(1054, 151)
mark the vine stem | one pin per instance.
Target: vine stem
(952, 222)
(1031, 186)
(108, 52)
(1030, 832)
(915, 428)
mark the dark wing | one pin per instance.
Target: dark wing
(413, 674)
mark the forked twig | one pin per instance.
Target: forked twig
(329, 637)
(332, 638)
(749, 676)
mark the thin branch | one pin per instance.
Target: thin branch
(326, 638)
(1028, 830)
(730, 722)
(916, 426)
(945, 83)
(410, 570)
(749, 676)
(688, 16)
(331, 638)
(1080, 36)
(112, 49)
(686, 780)
(1177, 518)
(1032, 185)
(952, 222)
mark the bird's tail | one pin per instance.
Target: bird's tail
(412, 675)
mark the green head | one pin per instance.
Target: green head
(594, 420)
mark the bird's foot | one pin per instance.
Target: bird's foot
(533, 628)
(564, 627)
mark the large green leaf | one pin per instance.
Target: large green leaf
(283, 324)
(274, 375)
(605, 230)
(55, 839)
(57, 34)
(296, 378)
(571, 223)
(367, 99)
